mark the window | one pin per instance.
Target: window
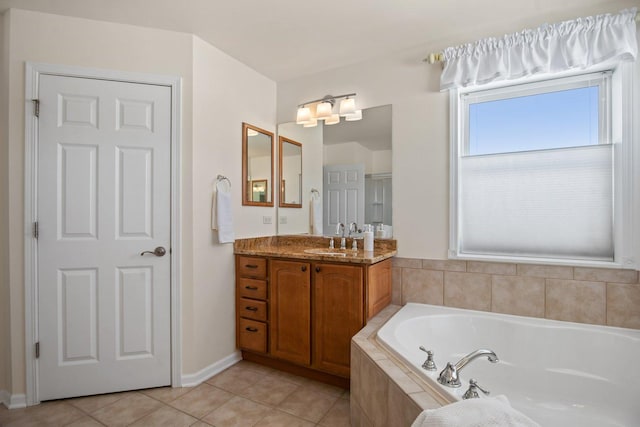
(533, 171)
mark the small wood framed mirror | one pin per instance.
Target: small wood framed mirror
(290, 173)
(257, 166)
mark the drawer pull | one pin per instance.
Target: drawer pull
(251, 266)
(250, 329)
(251, 308)
(251, 288)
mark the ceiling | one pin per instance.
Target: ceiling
(286, 39)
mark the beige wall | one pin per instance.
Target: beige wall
(216, 98)
(225, 93)
(4, 238)
(420, 122)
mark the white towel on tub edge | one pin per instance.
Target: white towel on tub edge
(481, 412)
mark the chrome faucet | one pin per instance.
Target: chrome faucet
(449, 375)
(353, 228)
(343, 241)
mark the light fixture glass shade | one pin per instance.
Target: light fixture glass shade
(347, 106)
(335, 118)
(323, 111)
(354, 117)
(303, 116)
(311, 123)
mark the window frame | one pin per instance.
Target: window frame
(616, 128)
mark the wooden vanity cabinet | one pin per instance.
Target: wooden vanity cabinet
(289, 310)
(251, 303)
(309, 310)
(338, 314)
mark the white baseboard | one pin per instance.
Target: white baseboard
(190, 380)
(13, 401)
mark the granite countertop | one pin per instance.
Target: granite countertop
(314, 248)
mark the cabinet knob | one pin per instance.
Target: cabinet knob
(317, 269)
(304, 268)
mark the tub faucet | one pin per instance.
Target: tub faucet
(449, 375)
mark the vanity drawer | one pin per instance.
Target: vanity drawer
(252, 309)
(252, 267)
(251, 288)
(253, 335)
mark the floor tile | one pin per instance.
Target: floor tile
(244, 395)
(243, 364)
(165, 417)
(324, 388)
(237, 412)
(308, 403)
(281, 419)
(339, 415)
(236, 379)
(166, 394)
(126, 411)
(201, 400)
(91, 404)
(269, 390)
(85, 421)
(46, 414)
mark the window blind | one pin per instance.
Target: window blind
(546, 203)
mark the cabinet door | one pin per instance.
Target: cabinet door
(338, 314)
(290, 311)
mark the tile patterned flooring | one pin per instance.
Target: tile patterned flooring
(246, 394)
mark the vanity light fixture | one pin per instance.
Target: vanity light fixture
(324, 110)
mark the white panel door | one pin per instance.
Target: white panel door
(103, 198)
(344, 196)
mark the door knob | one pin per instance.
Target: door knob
(159, 251)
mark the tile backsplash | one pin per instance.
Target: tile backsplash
(599, 296)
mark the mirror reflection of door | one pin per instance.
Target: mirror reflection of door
(259, 190)
(343, 195)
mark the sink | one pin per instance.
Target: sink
(327, 252)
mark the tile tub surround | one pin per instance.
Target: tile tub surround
(384, 391)
(599, 296)
(294, 246)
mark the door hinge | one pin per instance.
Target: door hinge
(36, 230)
(36, 107)
(38, 350)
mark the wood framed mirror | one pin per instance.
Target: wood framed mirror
(257, 166)
(290, 173)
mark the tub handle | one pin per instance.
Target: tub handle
(472, 392)
(428, 364)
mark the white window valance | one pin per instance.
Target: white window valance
(576, 44)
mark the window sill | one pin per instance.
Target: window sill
(627, 264)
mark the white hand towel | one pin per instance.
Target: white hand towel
(482, 412)
(222, 216)
(315, 211)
